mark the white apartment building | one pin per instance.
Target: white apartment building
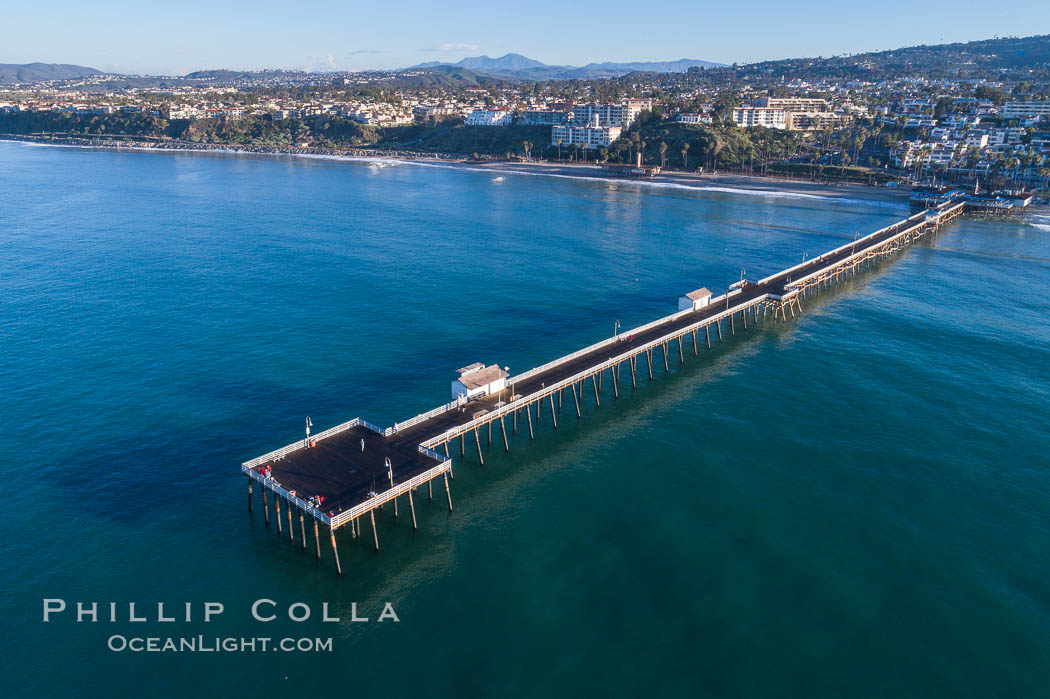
(543, 117)
(489, 117)
(942, 154)
(694, 119)
(622, 114)
(592, 136)
(977, 140)
(1020, 110)
(760, 116)
(812, 121)
(794, 104)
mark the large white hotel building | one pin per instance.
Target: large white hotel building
(770, 117)
(596, 125)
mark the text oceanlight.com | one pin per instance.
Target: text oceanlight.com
(201, 644)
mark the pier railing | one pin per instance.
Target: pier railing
(391, 493)
(918, 221)
(276, 487)
(453, 432)
(422, 417)
(368, 425)
(615, 339)
(829, 253)
(300, 444)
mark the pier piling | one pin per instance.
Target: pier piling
(375, 532)
(335, 552)
(291, 532)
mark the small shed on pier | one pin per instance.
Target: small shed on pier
(478, 380)
(694, 300)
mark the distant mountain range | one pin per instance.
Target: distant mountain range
(38, 72)
(516, 66)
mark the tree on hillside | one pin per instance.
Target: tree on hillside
(685, 156)
(663, 154)
(723, 106)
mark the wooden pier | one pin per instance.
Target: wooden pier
(342, 475)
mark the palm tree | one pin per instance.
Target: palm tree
(685, 156)
(663, 154)
(559, 149)
(924, 155)
(1013, 162)
(527, 147)
(641, 150)
(973, 157)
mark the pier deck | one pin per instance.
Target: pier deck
(343, 472)
(354, 482)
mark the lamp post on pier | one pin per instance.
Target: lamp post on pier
(502, 386)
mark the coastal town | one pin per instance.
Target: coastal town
(967, 124)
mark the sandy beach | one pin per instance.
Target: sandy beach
(707, 181)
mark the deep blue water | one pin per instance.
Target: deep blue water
(853, 503)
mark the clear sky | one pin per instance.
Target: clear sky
(175, 38)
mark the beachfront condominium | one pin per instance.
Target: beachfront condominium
(793, 104)
(773, 118)
(813, 121)
(621, 114)
(592, 135)
(489, 117)
(800, 113)
(1022, 110)
(543, 117)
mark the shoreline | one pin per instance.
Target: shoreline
(710, 182)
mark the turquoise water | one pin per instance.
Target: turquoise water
(853, 503)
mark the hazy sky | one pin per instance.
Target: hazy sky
(175, 38)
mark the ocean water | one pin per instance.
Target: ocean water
(853, 503)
